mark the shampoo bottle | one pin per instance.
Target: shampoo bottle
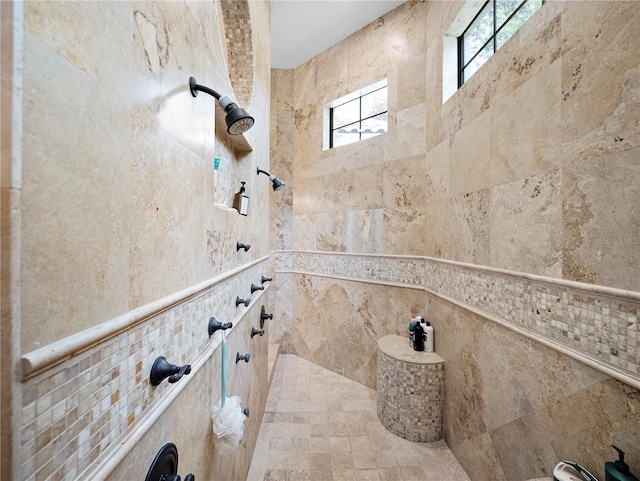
(428, 334)
(618, 470)
(418, 338)
(412, 327)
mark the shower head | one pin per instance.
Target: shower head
(277, 183)
(237, 119)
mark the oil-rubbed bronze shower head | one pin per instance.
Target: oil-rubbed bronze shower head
(277, 183)
(238, 120)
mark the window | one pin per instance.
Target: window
(496, 22)
(357, 116)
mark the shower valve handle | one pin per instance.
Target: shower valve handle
(186, 369)
(239, 301)
(244, 358)
(265, 279)
(240, 245)
(163, 369)
(215, 325)
(255, 288)
(255, 332)
(264, 316)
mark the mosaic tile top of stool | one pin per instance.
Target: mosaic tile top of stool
(398, 347)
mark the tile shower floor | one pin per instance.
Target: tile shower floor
(321, 426)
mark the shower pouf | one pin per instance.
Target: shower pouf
(228, 424)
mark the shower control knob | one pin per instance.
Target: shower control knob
(163, 369)
(265, 279)
(264, 316)
(215, 325)
(165, 465)
(256, 332)
(244, 358)
(239, 301)
(240, 245)
(255, 288)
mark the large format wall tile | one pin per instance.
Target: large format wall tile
(480, 453)
(337, 323)
(525, 226)
(522, 146)
(437, 229)
(331, 231)
(601, 237)
(364, 231)
(436, 181)
(523, 449)
(405, 230)
(470, 157)
(76, 204)
(74, 30)
(411, 81)
(469, 236)
(599, 78)
(403, 182)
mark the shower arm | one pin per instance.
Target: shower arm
(194, 86)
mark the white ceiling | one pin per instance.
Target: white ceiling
(301, 29)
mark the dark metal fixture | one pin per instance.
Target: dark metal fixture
(255, 288)
(240, 245)
(255, 332)
(246, 411)
(244, 358)
(164, 466)
(264, 316)
(277, 183)
(238, 120)
(163, 369)
(239, 301)
(265, 279)
(215, 325)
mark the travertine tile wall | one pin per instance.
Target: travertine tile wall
(513, 406)
(139, 188)
(111, 208)
(530, 167)
(541, 193)
(601, 324)
(75, 415)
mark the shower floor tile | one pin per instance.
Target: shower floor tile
(321, 426)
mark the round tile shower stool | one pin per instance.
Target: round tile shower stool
(410, 388)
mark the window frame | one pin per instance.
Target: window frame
(330, 129)
(462, 65)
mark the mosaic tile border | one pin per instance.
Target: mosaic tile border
(78, 411)
(597, 325)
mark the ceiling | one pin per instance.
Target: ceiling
(301, 29)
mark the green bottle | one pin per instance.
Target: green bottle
(618, 470)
